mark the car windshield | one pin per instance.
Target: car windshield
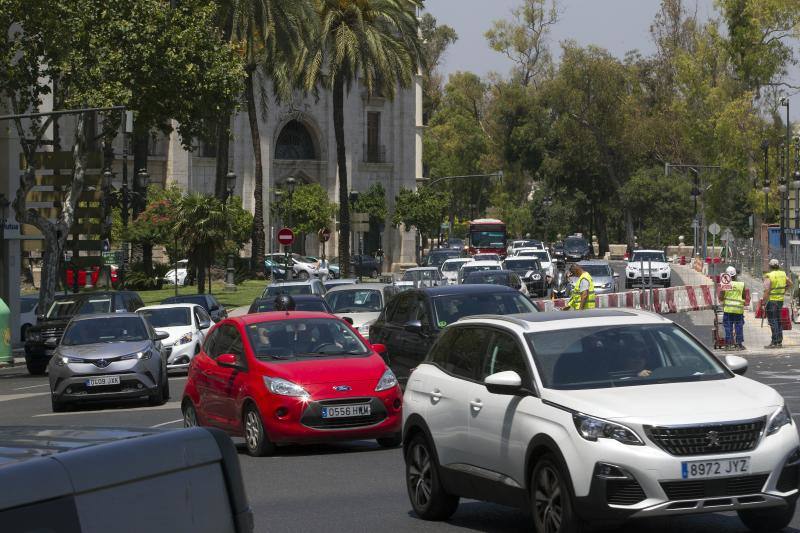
(91, 306)
(61, 308)
(486, 257)
(268, 304)
(487, 239)
(466, 270)
(105, 329)
(437, 258)
(575, 243)
(522, 264)
(618, 356)
(355, 301)
(314, 337)
(421, 275)
(453, 266)
(291, 290)
(449, 308)
(167, 317)
(487, 278)
(598, 271)
(655, 257)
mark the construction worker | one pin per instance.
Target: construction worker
(775, 286)
(733, 303)
(582, 296)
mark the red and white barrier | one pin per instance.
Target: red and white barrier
(665, 301)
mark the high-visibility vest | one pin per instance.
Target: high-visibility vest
(777, 285)
(575, 297)
(734, 299)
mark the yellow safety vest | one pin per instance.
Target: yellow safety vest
(777, 285)
(734, 299)
(575, 297)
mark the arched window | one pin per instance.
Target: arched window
(295, 142)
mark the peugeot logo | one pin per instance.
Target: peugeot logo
(101, 363)
(342, 388)
(713, 439)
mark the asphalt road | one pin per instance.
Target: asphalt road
(356, 486)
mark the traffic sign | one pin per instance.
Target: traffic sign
(725, 282)
(714, 228)
(285, 236)
(727, 235)
(324, 235)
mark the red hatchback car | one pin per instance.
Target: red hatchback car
(292, 377)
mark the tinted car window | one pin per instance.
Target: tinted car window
(441, 350)
(291, 290)
(355, 301)
(106, 329)
(648, 256)
(487, 278)
(452, 307)
(504, 354)
(522, 264)
(198, 299)
(405, 309)
(303, 338)
(467, 352)
(167, 317)
(90, 306)
(224, 338)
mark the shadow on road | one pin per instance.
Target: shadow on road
(336, 448)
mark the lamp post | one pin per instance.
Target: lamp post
(352, 200)
(547, 202)
(796, 183)
(782, 190)
(765, 148)
(127, 199)
(290, 185)
(230, 280)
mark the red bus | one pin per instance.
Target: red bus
(487, 236)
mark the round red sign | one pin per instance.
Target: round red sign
(324, 235)
(285, 236)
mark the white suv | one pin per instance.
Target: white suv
(646, 264)
(602, 416)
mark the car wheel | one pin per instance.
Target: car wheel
(166, 385)
(58, 407)
(24, 332)
(303, 275)
(391, 442)
(551, 499)
(189, 415)
(258, 444)
(35, 367)
(158, 397)
(425, 490)
(373, 274)
(768, 520)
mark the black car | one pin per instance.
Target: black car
(576, 249)
(531, 272)
(455, 244)
(302, 303)
(557, 251)
(43, 337)
(206, 301)
(437, 257)
(365, 265)
(412, 320)
(506, 278)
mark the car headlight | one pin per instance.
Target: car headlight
(387, 381)
(146, 354)
(63, 360)
(536, 277)
(186, 338)
(604, 286)
(781, 417)
(591, 428)
(284, 387)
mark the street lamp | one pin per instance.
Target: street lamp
(352, 200)
(765, 148)
(230, 280)
(796, 182)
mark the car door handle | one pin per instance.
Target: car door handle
(436, 395)
(476, 405)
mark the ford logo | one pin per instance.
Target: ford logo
(342, 388)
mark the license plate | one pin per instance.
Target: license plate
(101, 381)
(715, 468)
(342, 411)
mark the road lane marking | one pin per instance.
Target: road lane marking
(32, 386)
(22, 396)
(162, 424)
(169, 405)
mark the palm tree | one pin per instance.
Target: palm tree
(269, 32)
(203, 226)
(374, 41)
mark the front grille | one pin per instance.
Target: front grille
(52, 332)
(624, 492)
(697, 489)
(707, 439)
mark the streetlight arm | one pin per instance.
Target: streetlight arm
(445, 178)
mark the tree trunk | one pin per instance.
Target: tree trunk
(201, 275)
(258, 237)
(147, 258)
(602, 232)
(341, 160)
(223, 148)
(629, 232)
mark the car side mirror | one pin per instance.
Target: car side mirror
(161, 335)
(380, 349)
(204, 325)
(227, 360)
(348, 320)
(737, 365)
(413, 326)
(214, 307)
(508, 383)
(40, 317)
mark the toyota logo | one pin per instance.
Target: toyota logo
(713, 439)
(101, 363)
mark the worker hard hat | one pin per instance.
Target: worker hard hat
(730, 271)
(774, 263)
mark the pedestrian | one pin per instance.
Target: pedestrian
(733, 303)
(775, 286)
(582, 296)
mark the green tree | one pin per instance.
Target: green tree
(307, 208)
(376, 41)
(423, 209)
(436, 39)
(155, 224)
(90, 54)
(373, 201)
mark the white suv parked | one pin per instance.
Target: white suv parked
(602, 416)
(646, 264)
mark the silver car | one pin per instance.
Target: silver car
(605, 280)
(108, 357)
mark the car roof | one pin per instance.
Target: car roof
(454, 259)
(649, 251)
(557, 320)
(417, 269)
(465, 289)
(168, 306)
(105, 316)
(490, 273)
(594, 262)
(485, 263)
(185, 297)
(298, 298)
(276, 316)
(357, 287)
(291, 283)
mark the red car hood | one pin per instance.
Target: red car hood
(327, 370)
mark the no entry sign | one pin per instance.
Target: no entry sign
(324, 235)
(285, 236)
